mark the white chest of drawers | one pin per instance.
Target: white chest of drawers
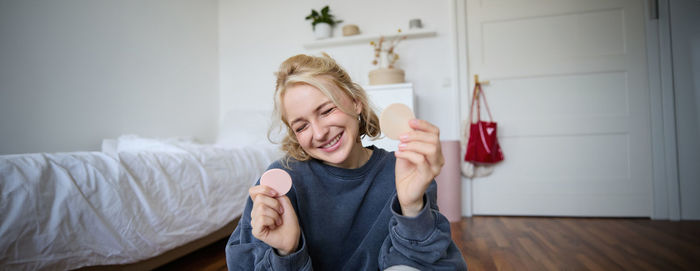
(380, 96)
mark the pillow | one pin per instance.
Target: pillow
(134, 143)
(241, 127)
(109, 146)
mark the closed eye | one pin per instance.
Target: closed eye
(300, 128)
(328, 111)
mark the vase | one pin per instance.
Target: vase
(322, 31)
(383, 59)
(383, 76)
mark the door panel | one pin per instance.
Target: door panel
(569, 91)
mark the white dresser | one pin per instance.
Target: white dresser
(380, 96)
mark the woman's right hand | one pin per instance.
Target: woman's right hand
(274, 220)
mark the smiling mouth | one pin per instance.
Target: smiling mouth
(333, 142)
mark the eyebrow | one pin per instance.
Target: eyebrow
(315, 110)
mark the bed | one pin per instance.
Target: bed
(137, 204)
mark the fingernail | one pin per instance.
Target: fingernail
(402, 146)
(403, 137)
(278, 222)
(281, 210)
(414, 121)
(272, 193)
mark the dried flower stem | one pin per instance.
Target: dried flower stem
(392, 56)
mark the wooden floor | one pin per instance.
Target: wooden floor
(526, 243)
(533, 243)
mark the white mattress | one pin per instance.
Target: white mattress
(68, 210)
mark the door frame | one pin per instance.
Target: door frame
(665, 155)
(665, 182)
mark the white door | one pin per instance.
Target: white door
(569, 91)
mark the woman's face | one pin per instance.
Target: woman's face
(322, 129)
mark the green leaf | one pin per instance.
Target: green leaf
(323, 17)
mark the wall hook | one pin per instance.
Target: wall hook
(476, 80)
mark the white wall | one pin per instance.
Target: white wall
(73, 72)
(256, 36)
(685, 39)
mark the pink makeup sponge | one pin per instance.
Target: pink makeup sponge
(277, 179)
(394, 120)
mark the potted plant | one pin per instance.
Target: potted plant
(322, 22)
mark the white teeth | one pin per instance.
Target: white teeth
(335, 140)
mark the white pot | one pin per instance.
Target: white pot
(323, 31)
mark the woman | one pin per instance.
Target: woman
(350, 207)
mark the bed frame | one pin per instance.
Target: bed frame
(172, 254)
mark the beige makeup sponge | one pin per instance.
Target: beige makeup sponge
(394, 120)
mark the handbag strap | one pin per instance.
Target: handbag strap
(483, 96)
(477, 99)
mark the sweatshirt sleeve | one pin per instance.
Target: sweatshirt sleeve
(423, 241)
(245, 252)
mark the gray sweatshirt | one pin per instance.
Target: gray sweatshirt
(350, 219)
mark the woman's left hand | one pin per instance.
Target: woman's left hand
(418, 160)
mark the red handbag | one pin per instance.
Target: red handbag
(482, 145)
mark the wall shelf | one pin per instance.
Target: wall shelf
(362, 38)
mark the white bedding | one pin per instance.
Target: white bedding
(140, 199)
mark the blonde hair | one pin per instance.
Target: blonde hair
(319, 72)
